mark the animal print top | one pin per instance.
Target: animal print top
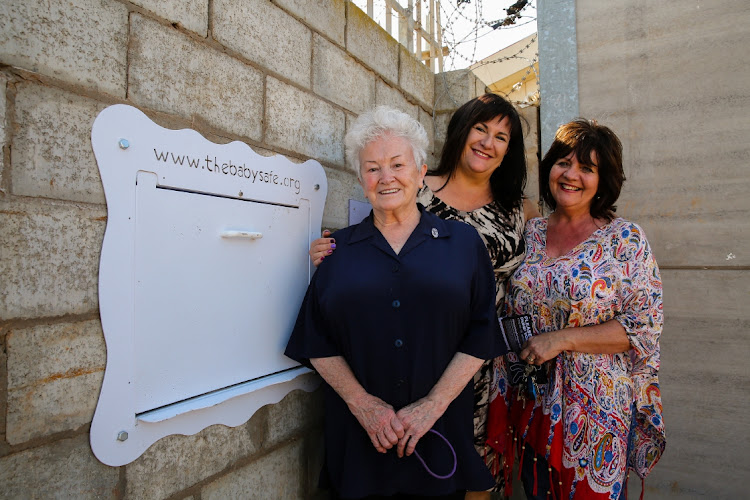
(501, 231)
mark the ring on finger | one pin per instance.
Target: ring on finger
(530, 358)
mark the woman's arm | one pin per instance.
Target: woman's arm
(419, 417)
(321, 247)
(637, 325)
(606, 338)
(375, 416)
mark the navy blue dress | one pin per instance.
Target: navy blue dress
(398, 321)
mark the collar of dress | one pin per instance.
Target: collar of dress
(430, 227)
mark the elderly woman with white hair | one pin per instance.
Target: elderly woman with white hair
(397, 321)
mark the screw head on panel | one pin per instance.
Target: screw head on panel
(122, 436)
(123, 143)
(316, 186)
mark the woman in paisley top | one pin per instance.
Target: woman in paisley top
(480, 181)
(591, 285)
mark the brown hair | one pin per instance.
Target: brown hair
(584, 136)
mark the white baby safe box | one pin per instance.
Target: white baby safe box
(203, 268)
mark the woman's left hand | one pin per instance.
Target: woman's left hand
(543, 347)
(417, 418)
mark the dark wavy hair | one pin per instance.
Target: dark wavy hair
(509, 179)
(584, 136)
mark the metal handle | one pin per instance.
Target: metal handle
(251, 235)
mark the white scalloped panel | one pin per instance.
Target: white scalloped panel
(203, 268)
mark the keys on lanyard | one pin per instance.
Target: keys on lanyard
(527, 388)
(529, 382)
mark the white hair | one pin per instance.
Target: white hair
(382, 121)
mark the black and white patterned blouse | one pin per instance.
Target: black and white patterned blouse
(501, 231)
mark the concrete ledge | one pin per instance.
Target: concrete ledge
(315, 454)
(297, 410)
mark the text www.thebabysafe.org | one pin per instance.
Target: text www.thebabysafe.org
(227, 168)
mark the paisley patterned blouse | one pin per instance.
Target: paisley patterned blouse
(600, 414)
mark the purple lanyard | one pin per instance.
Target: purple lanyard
(455, 460)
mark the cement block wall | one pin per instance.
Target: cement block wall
(672, 80)
(285, 77)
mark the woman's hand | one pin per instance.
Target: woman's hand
(321, 247)
(375, 416)
(380, 422)
(417, 418)
(543, 347)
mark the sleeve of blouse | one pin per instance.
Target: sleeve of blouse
(482, 339)
(311, 337)
(641, 314)
(642, 318)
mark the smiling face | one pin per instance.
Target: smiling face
(388, 174)
(573, 184)
(486, 146)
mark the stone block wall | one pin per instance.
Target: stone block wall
(284, 76)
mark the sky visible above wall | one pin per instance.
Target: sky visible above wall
(468, 26)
